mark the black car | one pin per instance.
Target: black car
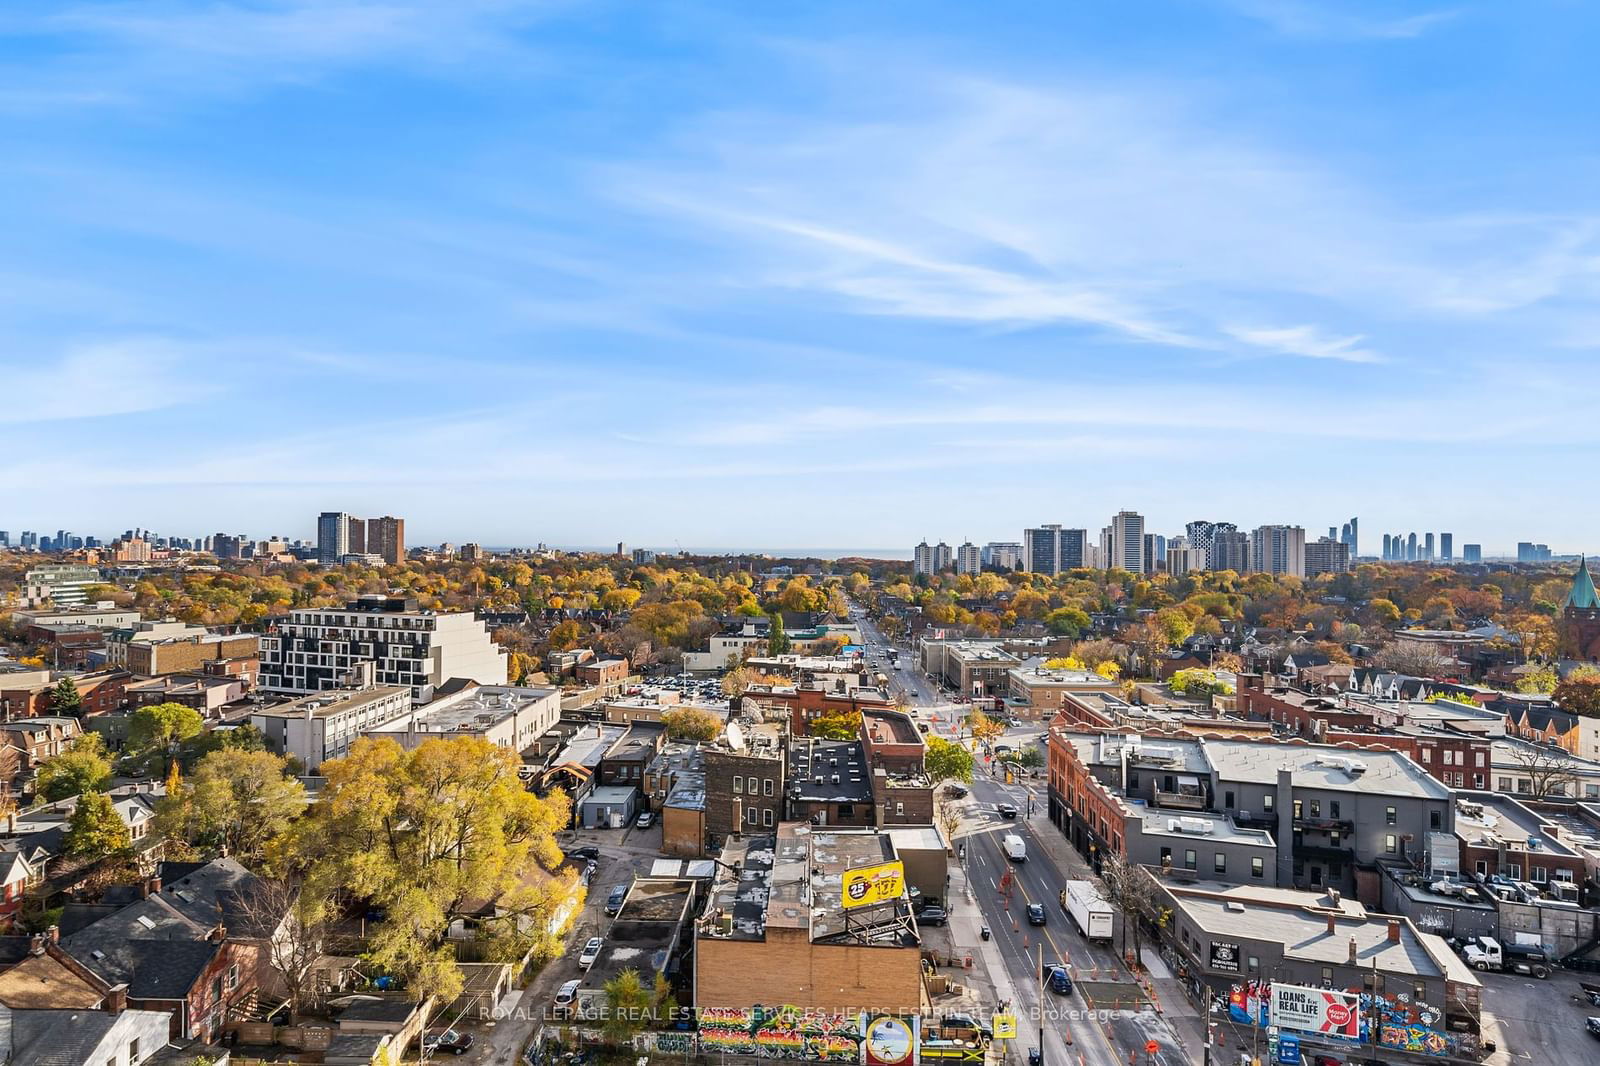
(1593, 1025)
(1007, 810)
(448, 1040)
(614, 901)
(588, 851)
(1036, 914)
(956, 791)
(933, 914)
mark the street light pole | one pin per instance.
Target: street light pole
(1042, 991)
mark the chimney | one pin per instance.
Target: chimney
(36, 944)
(218, 934)
(1394, 931)
(1352, 951)
(1331, 921)
(11, 824)
(116, 1000)
(53, 934)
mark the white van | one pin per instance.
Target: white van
(1013, 846)
(566, 996)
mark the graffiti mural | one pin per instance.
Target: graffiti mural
(781, 1033)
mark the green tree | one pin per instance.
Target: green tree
(65, 698)
(95, 830)
(777, 639)
(81, 768)
(946, 759)
(1067, 621)
(692, 723)
(155, 732)
(235, 803)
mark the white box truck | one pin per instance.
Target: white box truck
(1013, 846)
(1088, 911)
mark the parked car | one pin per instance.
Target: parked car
(614, 901)
(1007, 810)
(1593, 1025)
(451, 1041)
(933, 914)
(1059, 980)
(956, 791)
(1036, 914)
(646, 819)
(567, 995)
(588, 851)
(959, 1025)
(591, 951)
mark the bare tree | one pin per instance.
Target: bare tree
(949, 819)
(1409, 658)
(1550, 771)
(291, 922)
(1131, 889)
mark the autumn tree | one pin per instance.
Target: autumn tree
(82, 768)
(692, 723)
(65, 699)
(1067, 621)
(946, 759)
(155, 732)
(95, 830)
(983, 728)
(1579, 695)
(835, 725)
(234, 803)
(564, 636)
(432, 835)
(1409, 658)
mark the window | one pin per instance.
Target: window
(1333, 808)
(1514, 871)
(1333, 839)
(1480, 759)
(1219, 863)
(750, 815)
(1258, 868)
(738, 786)
(233, 976)
(1505, 784)
(1166, 855)
(899, 809)
(1435, 819)
(1390, 843)
(1482, 868)
(1427, 754)
(1266, 803)
(766, 817)
(1316, 808)
(1327, 975)
(1539, 875)
(1253, 964)
(133, 1050)
(1389, 817)
(1227, 800)
(1419, 993)
(766, 786)
(751, 787)
(1297, 811)
(216, 989)
(1191, 859)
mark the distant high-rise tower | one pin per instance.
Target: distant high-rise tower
(333, 537)
(943, 557)
(1411, 548)
(969, 559)
(386, 536)
(1041, 549)
(1386, 548)
(1427, 546)
(922, 559)
(1447, 546)
(1278, 550)
(1472, 553)
(1127, 542)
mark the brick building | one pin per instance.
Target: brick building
(744, 791)
(102, 692)
(803, 703)
(608, 674)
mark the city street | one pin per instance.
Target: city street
(1073, 1033)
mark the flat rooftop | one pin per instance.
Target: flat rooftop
(1202, 826)
(1323, 766)
(476, 708)
(334, 701)
(1299, 921)
(828, 771)
(896, 726)
(793, 880)
(1486, 818)
(1040, 674)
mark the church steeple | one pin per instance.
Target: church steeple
(1583, 595)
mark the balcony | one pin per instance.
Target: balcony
(1326, 825)
(1183, 801)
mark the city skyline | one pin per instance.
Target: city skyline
(484, 264)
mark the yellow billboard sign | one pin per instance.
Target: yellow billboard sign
(867, 885)
(1004, 1026)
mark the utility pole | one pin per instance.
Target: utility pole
(1376, 1015)
(1042, 991)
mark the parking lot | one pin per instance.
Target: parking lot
(1538, 1021)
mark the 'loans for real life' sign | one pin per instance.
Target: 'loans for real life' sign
(866, 885)
(1316, 1010)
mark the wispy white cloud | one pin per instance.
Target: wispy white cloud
(1306, 342)
(1338, 19)
(101, 378)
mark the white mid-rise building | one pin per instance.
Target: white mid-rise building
(1002, 554)
(1127, 542)
(317, 728)
(60, 584)
(318, 648)
(1278, 550)
(969, 559)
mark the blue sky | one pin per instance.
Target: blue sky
(827, 275)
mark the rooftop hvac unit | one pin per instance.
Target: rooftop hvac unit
(1200, 826)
